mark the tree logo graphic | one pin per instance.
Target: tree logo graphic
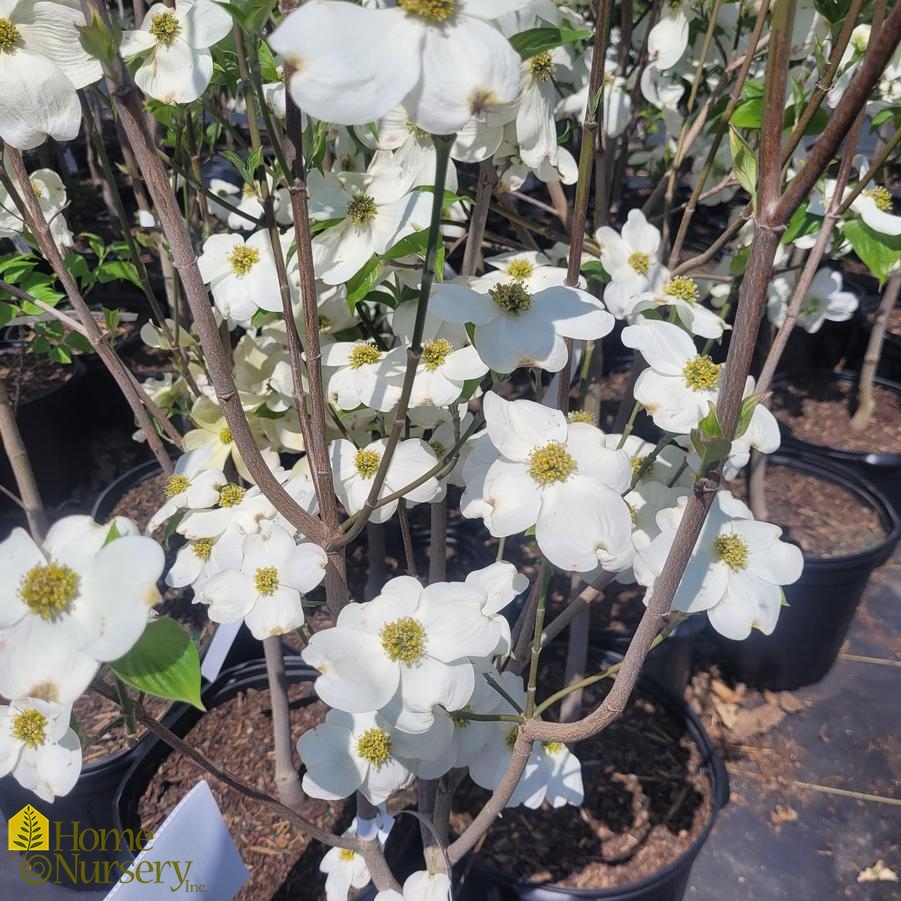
(29, 830)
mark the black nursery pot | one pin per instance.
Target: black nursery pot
(230, 682)
(881, 470)
(52, 428)
(482, 881)
(821, 604)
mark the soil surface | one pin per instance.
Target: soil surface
(646, 801)
(103, 727)
(29, 376)
(141, 502)
(821, 516)
(238, 737)
(811, 407)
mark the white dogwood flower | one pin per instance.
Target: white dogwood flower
(514, 327)
(354, 471)
(375, 210)
(175, 44)
(38, 747)
(50, 192)
(364, 375)
(71, 602)
(420, 886)
(679, 384)
(352, 752)
(824, 301)
(630, 258)
(682, 295)
(345, 869)
(444, 62)
(241, 274)
(42, 65)
(736, 571)
(267, 591)
(555, 475)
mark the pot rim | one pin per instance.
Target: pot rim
(112, 494)
(718, 778)
(887, 459)
(840, 474)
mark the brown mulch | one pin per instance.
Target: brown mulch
(821, 516)
(646, 801)
(29, 376)
(813, 407)
(238, 737)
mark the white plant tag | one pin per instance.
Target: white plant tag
(220, 645)
(191, 852)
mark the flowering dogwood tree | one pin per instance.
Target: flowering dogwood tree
(342, 354)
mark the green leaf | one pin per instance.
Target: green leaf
(748, 406)
(7, 313)
(748, 114)
(877, 251)
(111, 318)
(891, 113)
(802, 223)
(164, 663)
(415, 243)
(358, 285)
(744, 162)
(594, 269)
(118, 270)
(536, 40)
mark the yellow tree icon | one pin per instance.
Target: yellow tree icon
(29, 830)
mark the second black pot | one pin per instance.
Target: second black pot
(821, 604)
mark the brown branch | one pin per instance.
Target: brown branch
(17, 454)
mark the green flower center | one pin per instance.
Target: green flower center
(640, 262)
(361, 209)
(367, 463)
(347, 854)
(202, 548)
(374, 746)
(633, 513)
(415, 130)
(637, 462)
(732, 550)
(363, 355)
(265, 579)
(324, 323)
(9, 36)
(243, 259)
(434, 353)
(403, 640)
(512, 298)
(880, 195)
(460, 722)
(542, 66)
(439, 448)
(225, 436)
(164, 28)
(36, 189)
(434, 10)
(684, 288)
(176, 485)
(701, 373)
(48, 589)
(520, 269)
(231, 495)
(553, 747)
(30, 728)
(510, 738)
(551, 463)
(581, 416)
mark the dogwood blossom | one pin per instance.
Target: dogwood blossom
(175, 43)
(679, 384)
(420, 886)
(558, 476)
(38, 747)
(70, 603)
(824, 301)
(352, 752)
(42, 65)
(682, 295)
(50, 192)
(354, 471)
(736, 571)
(444, 63)
(514, 327)
(267, 590)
